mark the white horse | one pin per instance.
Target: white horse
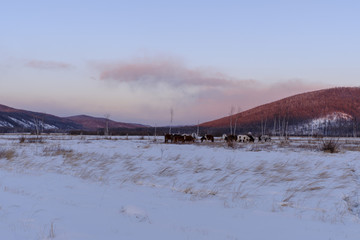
(264, 138)
(245, 138)
(195, 136)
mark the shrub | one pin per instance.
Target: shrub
(22, 139)
(330, 145)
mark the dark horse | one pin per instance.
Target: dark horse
(168, 137)
(175, 138)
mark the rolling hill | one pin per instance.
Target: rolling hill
(89, 122)
(12, 119)
(334, 103)
(21, 120)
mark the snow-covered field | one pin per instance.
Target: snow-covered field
(76, 187)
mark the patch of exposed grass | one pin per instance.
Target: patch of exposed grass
(52, 231)
(7, 153)
(56, 150)
(31, 140)
(353, 204)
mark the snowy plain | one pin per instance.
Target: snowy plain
(89, 187)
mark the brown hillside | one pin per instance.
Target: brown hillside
(11, 118)
(301, 107)
(89, 122)
(4, 108)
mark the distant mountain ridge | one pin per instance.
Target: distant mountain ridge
(23, 120)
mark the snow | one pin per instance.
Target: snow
(22, 122)
(30, 124)
(5, 124)
(316, 126)
(49, 127)
(76, 187)
(330, 119)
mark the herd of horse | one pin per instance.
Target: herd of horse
(182, 138)
(178, 138)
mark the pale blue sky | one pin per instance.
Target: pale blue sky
(53, 54)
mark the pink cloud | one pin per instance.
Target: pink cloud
(47, 64)
(168, 71)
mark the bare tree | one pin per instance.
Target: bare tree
(274, 131)
(237, 118)
(231, 113)
(38, 124)
(283, 122)
(197, 129)
(106, 130)
(263, 124)
(171, 118)
(354, 122)
(155, 133)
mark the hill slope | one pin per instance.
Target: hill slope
(299, 108)
(12, 119)
(89, 122)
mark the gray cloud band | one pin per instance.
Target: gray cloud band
(47, 65)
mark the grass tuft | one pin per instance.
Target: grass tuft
(56, 150)
(7, 153)
(31, 140)
(52, 231)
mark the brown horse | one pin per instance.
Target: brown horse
(189, 138)
(178, 138)
(230, 138)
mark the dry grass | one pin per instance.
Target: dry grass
(166, 172)
(7, 153)
(353, 204)
(355, 148)
(31, 140)
(283, 143)
(188, 190)
(56, 150)
(52, 231)
(310, 146)
(239, 192)
(147, 146)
